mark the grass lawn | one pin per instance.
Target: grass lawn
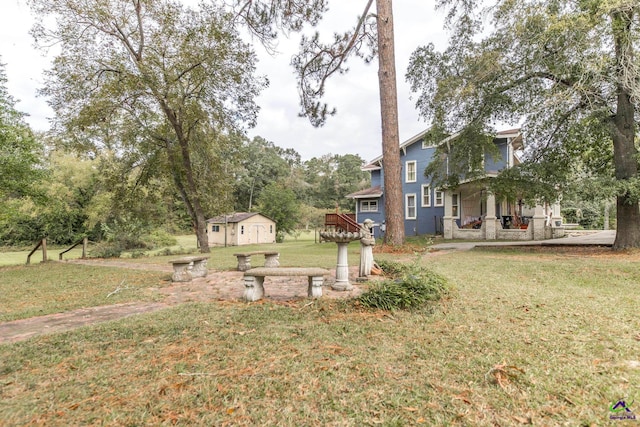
(36, 290)
(544, 338)
(184, 244)
(39, 289)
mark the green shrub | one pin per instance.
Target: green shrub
(107, 250)
(138, 253)
(158, 238)
(392, 268)
(410, 286)
(177, 251)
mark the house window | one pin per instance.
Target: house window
(242, 229)
(426, 196)
(271, 229)
(455, 204)
(410, 206)
(369, 206)
(439, 198)
(410, 172)
(215, 228)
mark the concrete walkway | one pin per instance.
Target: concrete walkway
(601, 238)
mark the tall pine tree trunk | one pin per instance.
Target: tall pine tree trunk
(625, 153)
(393, 203)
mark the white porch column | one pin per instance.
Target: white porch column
(556, 217)
(489, 222)
(448, 221)
(539, 221)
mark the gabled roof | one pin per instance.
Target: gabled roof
(233, 218)
(366, 193)
(515, 134)
(376, 163)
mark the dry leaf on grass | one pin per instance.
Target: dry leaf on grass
(503, 374)
(523, 420)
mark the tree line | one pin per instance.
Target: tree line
(49, 190)
(159, 95)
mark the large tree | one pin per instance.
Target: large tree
(331, 177)
(161, 84)
(568, 70)
(372, 36)
(260, 162)
(152, 81)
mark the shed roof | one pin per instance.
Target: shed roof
(234, 217)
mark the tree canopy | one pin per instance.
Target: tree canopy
(161, 85)
(568, 71)
(20, 152)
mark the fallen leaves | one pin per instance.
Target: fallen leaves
(503, 374)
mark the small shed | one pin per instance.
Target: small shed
(241, 228)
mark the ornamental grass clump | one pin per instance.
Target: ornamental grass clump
(409, 286)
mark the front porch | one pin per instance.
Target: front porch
(472, 213)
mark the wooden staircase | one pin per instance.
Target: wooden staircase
(341, 222)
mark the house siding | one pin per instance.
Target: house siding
(427, 219)
(492, 164)
(470, 199)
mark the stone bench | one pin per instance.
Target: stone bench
(184, 269)
(271, 259)
(254, 280)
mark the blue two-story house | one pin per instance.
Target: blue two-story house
(470, 211)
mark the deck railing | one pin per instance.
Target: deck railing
(343, 222)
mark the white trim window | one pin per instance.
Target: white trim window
(426, 195)
(410, 206)
(411, 173)
(368, 206)
(439, 198)
(455, 205)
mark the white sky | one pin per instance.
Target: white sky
(355, 129)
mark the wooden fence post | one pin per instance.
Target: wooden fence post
(44, 250)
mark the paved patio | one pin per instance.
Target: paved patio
(216, 286)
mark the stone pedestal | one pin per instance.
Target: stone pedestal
(272, 260)
(244, 262)
(253, 288)
(181, 272)
(199, 268)
(315, 286)
(342, 239)
(342, 269)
